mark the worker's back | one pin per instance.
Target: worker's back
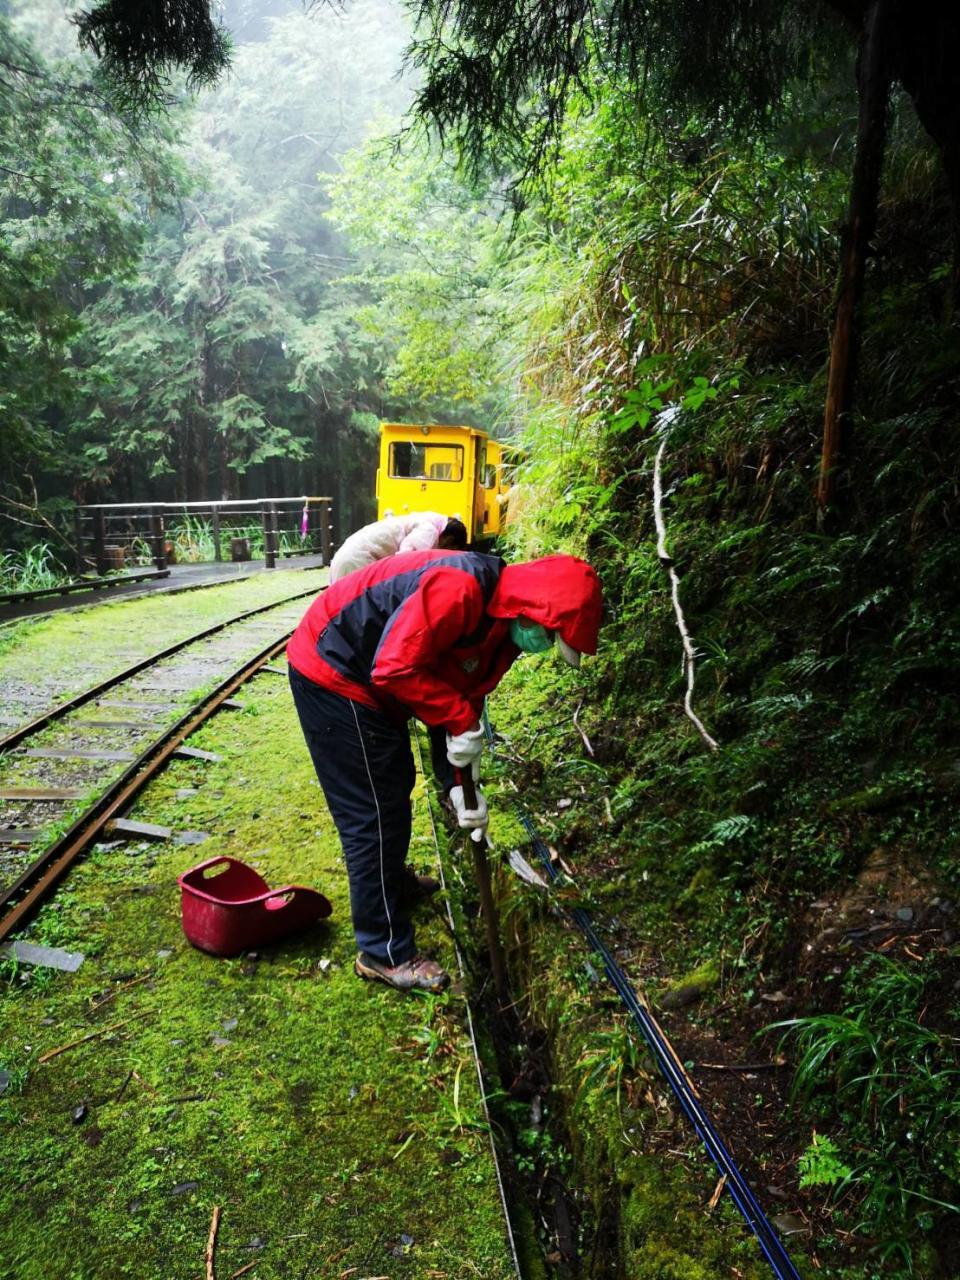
(418, 531)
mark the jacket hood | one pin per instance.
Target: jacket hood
(560, 592)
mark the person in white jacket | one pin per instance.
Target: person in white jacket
(418, 531)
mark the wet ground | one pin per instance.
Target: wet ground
(45, 660)
(183, 577)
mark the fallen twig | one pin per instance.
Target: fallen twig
(101, 1031)
(576, 725)
(116, 991)
(149, 1087)
(717, 1193)
(212, 1242)
(775, 1065)
(244, 1270)
(123, 1088)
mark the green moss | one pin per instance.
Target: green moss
(702, 884)
(328, 1118)
(705, 977)
(70, 650)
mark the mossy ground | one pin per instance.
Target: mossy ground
(338, 1124)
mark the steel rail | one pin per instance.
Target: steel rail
(88, 695)
(43, 874)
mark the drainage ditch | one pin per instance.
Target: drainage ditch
(601, 1168)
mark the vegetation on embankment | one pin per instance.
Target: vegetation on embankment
(336, 1123)
(824, 829)
(805, 871)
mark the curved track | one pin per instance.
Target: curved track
(184, 683)
(16, 736)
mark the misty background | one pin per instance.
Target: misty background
(202, 339)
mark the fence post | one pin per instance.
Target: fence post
(269, 513)
(325, 510)
(100, 541)
(157, 537)
(78, 540)
(311, 524)
(217, 553)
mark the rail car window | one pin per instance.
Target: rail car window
(412, 461)
(491, 476)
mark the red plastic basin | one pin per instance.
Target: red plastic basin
(227, 907)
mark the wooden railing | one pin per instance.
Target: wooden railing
(113, 534)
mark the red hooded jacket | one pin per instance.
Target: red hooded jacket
(426, 633)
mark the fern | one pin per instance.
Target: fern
(820, 1165)
(733, 828)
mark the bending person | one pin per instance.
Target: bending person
(426, 634)
(418, 531)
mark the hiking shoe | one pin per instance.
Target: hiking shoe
(414, 888)
(420, 972)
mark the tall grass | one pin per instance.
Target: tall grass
(192, 539)
(31, 569)
(892, 1082)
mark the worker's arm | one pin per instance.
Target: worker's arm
(447, 606)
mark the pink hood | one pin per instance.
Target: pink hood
(560, 592)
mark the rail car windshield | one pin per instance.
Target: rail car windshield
(412, 461)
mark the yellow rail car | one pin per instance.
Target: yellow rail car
(458, 471)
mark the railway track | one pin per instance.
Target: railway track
(67, 775)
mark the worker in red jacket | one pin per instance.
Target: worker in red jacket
(428, 634)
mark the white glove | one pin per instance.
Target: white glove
(469, 819)
(464, 749)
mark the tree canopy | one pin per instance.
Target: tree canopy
(139, 45)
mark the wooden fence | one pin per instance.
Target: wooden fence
(112, 535)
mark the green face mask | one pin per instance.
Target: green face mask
(530, 637)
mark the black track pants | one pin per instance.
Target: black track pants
(442, 768)
(365, 767)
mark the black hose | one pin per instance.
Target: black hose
(679, 1082)
(669, 1065)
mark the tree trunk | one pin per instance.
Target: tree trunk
(228, 476)
(202, 434)
(873, 82)
(951, 163)
(926, 45)
(183, 460)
